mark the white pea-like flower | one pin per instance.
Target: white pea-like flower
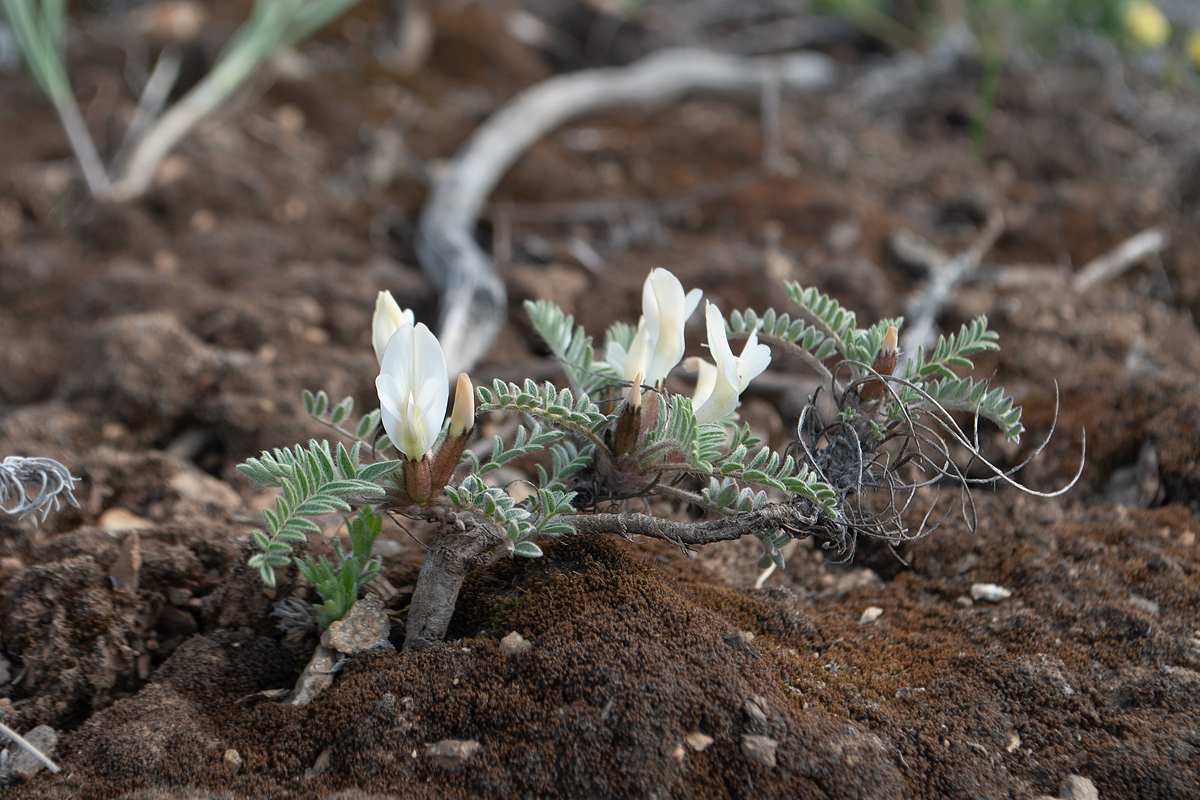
(388, 319)
(632, 362)
(706, 378)
(413, 390)
(658, 344)
(732, 374)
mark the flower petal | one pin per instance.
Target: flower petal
(391, 398)
(718, 341)
(391, 421)
(413, 389)
(724, 397)
(650, 305)
(639, 353)
(615, 356)
(706, 378)
(754, 360)
(666, 310)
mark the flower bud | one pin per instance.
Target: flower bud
(389, 318)
(885, 362)
(629, 423)
(462, 424)
(462, 418)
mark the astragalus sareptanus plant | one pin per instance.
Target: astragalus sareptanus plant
(616, 438)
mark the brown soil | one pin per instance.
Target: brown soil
(153, 346)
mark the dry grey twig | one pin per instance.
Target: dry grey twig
(53, 483)
(474, 298)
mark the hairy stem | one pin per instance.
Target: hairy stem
(446, 565)
(798, 520)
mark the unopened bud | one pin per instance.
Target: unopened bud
(462, 418)
(449, 452)
(885, 362)
(629, 423)
(634, 398)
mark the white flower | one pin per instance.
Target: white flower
(732, 373)
(628, 363)
(413, 390)
(389, 316)
(658, 344)
(706, 378)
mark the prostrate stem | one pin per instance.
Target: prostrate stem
(798, 520)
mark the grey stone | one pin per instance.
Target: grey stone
(759, 749)
(451, 754)
(23, 764)
(1077, 787)
(365, 628)
(515, 644)
(316, 677)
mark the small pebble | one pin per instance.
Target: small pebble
(10, 565)
(24, 765)
(178, 596)
(990, 592)
(515, 644)
(870, 614)
(1077, 787)
(755, 708)
(741, 641)
(759, 749)
(451, 754)
(698, 741)
(173, 621)
(120, 519)
(1146, 604)
(365, 628)
(319, 765)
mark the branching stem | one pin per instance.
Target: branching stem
(796, 520)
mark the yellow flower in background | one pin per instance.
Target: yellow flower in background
(1146, 25)
(1192, 48)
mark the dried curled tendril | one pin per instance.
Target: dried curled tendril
(869, 457)
(32, 485)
